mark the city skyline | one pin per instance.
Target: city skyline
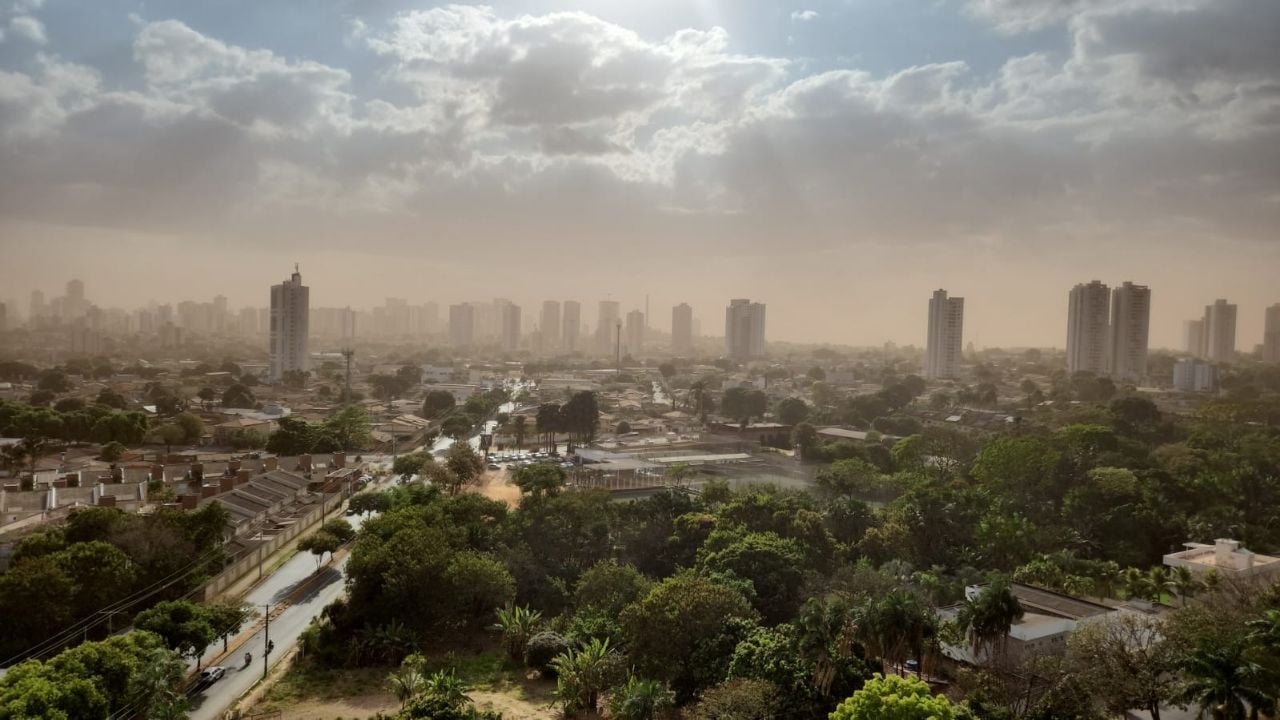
(1093, 342)
(803, 151)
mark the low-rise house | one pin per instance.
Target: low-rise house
(1048, 620)
(1226, 558)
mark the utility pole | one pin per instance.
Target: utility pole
(266, 635)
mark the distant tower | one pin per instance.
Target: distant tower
(946, 332)
(348, 354)
(1130, 327)
(1087, 327)
(607, 317)
(635, 333)
(290, 322)
(570, 326)
(744, 329)
(1271, 335)
(1220, 331)
(682, 329)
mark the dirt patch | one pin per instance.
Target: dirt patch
(496, 485)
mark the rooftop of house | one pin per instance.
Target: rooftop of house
(1223, 555)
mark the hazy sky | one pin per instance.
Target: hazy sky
(837, 159)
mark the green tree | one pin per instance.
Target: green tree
(519, 426)
(110, 398)
(539, 480)
(169, 435)
(410, 464)
(737, 699)
(184, 626)
(112, 451)
(318, 543)
(349, 429)
(464, 462)
(609, 588)
(457, 426)
(772, 564)
(894, 698)
(792, 411)
(238, 396)
(1125, 662)
(227, 618)
(684, 631)
(804, 437)
(478, 584)
(192, 426)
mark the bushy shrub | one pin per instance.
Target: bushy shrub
(542, 648)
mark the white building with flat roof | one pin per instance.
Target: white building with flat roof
(1192, 375)
(1225, 557)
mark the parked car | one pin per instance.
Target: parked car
(212, 674)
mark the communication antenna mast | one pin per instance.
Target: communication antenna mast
(348, 353)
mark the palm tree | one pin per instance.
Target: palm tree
(406, 683)
(581, 675)
(1222, 681)
(1184, 584)
(1138, 584)
(826, 638)
(152, 690)
(1159, 578)
(895, 627)
(517, 624)
(640, 700)
(989, 616)
(1107, 580)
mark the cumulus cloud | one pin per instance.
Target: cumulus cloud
(576, 125)
(29, 28)
(804, 15)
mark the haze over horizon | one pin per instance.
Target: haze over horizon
(838, 161)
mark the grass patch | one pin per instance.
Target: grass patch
(305, 681)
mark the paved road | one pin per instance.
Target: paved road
(305, 593)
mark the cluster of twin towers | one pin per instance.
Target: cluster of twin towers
(1107, 331)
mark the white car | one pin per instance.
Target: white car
(212, 674)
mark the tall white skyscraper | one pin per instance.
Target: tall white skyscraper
(1194, 332)
(1130, 327)
(744, 329)
(510, 336)
(1271, 335)
(945, 339)
(462, 325)
(1220, 331)
(607, 327)
(290, 323)
(1087, 326)
(549, 327)
(634, 339)
(571, 324)
(682, 329)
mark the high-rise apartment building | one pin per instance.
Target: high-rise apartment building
(571, 326)
(290, 324)
(945, 339)
(1130, 328)
(634, 342)
(509, 339)
(462, 325)
(549, 327)
(1271, 335)
(1194, 337)
(607, 327)
(1087, 328)
(682, 329)
(1220, 331)
(744, 329)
